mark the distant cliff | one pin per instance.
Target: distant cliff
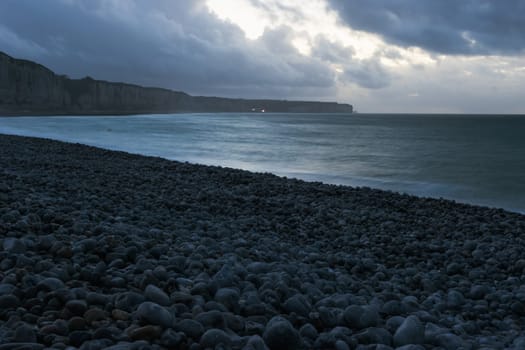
(27, 87)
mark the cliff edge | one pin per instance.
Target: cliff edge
(29, 88)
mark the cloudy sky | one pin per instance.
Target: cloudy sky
(465, 56)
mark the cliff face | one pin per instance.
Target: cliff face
(29, 88)
(25, 83)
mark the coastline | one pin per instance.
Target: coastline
(218, 253)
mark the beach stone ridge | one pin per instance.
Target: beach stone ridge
(108, 250)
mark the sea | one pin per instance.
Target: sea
(476, 159)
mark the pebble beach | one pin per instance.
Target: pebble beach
(109, 250)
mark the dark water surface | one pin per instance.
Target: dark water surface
(471, 158)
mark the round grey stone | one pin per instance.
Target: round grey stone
(299, 304)
(50, 284)
(191, 328)
(255, 342)
(14, 245)
(308, 331)
(280, 335)
(449, 341)
(374, 335)
(411, 331)
(229, 297)
(213, 337)
(151, 313)
(455, 299)
(25, 333)
(156, 295)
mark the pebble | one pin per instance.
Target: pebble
(94, 314)
(308, 331)
(374, 335)
(449, 341)
(228, 297)
(191, 328)
(148, 332)
(25, 333)
(455, 299)
(411, 347)
(77, 338)
(211, 319)
(21, 346)
(411, 331)
(120, 315)
(9, 302)
(299, 304)
(51, 284)
(154, 314)
(359, 317)
(77, 323)
(215, 337)
(172, 339)
(14, 245)
(280, 334)
(156, 295)
(77, 307)
(255, 342)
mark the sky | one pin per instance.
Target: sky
(386, 56)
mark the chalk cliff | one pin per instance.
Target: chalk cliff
(27, 87)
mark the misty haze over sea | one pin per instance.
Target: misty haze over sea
(476, 159)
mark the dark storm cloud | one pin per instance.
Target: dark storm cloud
(444, 26)
(174, 44)
(367, 73)
(331, 51)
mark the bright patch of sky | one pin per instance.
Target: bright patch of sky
(307, 19)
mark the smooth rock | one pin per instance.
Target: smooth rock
(14, 245)
(9, 302)
(21, 346)
(172, 339)
(120, 315)
(95, 314)
(147, 332)
(96, 344)
(449, 341)
(50, 284)
(77, 307)
(374, 335)
(211, 319)
(191, 328)
(77, 323)
(359, 317)
(229, 297)
(128, 301)
(77, 338)
(225, 277)
(299, 304)
(25, 333)
(308, 331)
(411, 347)
(255, 342)
(213, 337)
(411, 331)
(156, 295)
(341, 345)
(478, 292)
(154, 314)
(280, 335)
(455, 299)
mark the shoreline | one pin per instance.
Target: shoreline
(369, 182)
(106, 239)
